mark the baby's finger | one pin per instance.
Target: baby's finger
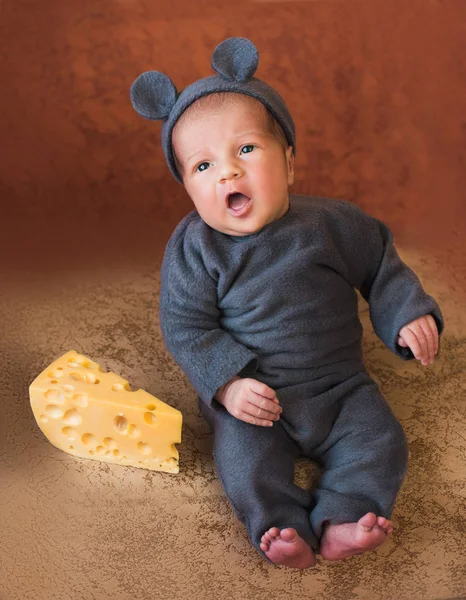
(247, 418)
(262, 413)
(424, 324)
(262, 389)
(264, 403)
(434, 330)
(401, 342)
(418, 331)
(412, 342)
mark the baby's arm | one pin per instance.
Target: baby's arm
(250, 401)
(190, 318)
(367, 258)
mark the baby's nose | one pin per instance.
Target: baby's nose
(230, 171)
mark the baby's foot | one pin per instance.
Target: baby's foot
(286, 548)
(346, 539)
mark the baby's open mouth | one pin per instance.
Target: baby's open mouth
(238, 203)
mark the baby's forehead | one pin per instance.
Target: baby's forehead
(219, 105)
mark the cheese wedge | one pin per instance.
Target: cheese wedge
(93, 414)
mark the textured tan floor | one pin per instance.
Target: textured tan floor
(378, 91)
(73, 529)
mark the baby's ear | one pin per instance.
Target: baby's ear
(153, 95)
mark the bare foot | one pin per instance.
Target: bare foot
(287, 548)
(346, 539)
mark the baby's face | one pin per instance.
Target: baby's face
(235, 170)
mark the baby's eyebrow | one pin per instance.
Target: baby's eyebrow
(201, 151)
(251, 132)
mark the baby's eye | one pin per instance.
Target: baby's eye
(202, 167)
(247, 149)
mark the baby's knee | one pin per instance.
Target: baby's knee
(395, 442)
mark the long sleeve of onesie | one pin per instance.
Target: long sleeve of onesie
(371, 263)
(189, 319)
(279, 305)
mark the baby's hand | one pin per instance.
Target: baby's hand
(250, 401)
(421, 336)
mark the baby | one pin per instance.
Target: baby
(258, 306)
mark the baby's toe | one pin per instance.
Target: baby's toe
(264, 546)
(289, 534)
(368, 521)
(385, 524)
(266, 538)
(382, 522)
(270, 535)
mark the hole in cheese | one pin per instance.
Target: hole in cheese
(81, 400)
(150, 418)
(72, 417)
(110, 443)
(121, 424)
(77, 376)
(55, 374)
(54, 411)
(134, 431)
(90, 365)
(91, 378)
(87, 439)
(151, 407)
(76, 361)
(144, 448)
(70, 433)
(55, 396)
(118, 387)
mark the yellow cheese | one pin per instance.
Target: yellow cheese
(89, 413)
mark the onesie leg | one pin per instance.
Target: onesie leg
(364, 460)
(256, 468)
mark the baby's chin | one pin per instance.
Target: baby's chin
(243, 229)
(248, 226)
(248, 223)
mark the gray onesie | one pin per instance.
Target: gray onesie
(280, 306)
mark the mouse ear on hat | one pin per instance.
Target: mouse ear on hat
(236, 59)
(153, 95)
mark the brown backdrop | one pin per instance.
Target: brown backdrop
(377, 90)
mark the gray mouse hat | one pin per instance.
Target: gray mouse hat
(154, 95)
